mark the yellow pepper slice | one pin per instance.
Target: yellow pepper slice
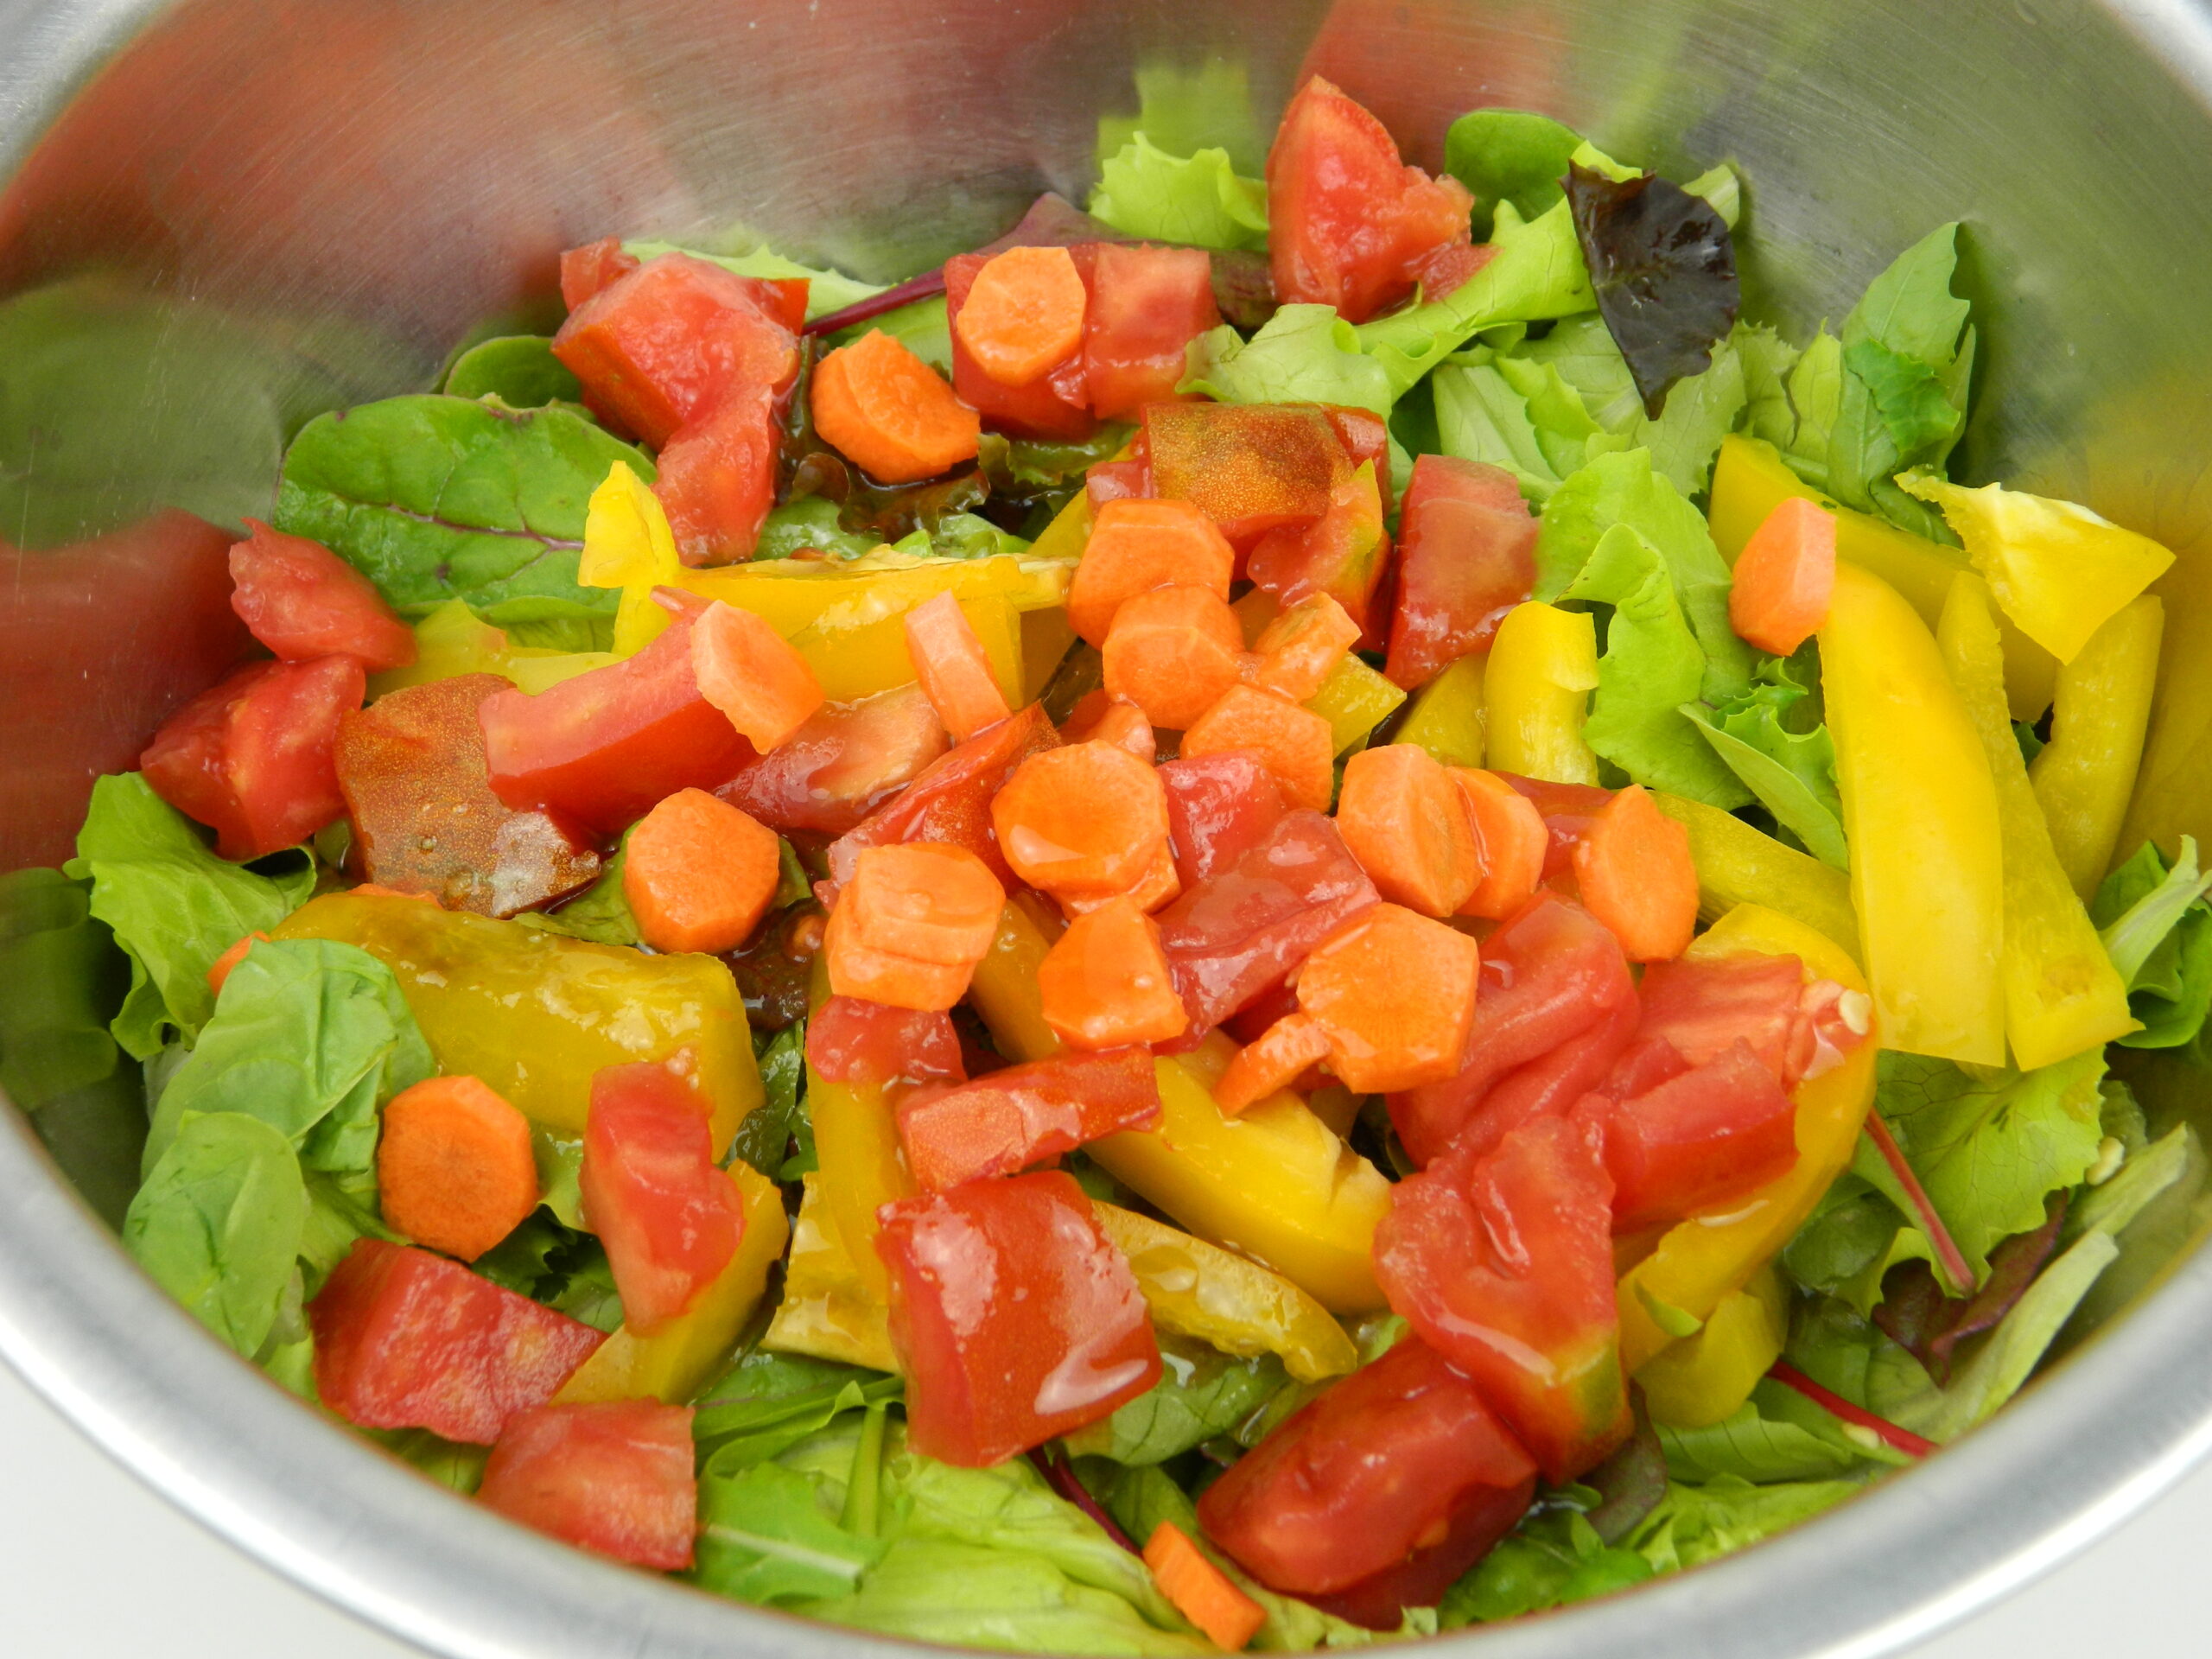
(827, 1310)
(678, 1360)
(1921, 812)
(1737, 865)
(2086, 774)
(1069, 531)
(536, 1014)
(1354, 700)
(628, 545)
(857, 1151)
(1446, 717)
(1543, 666)
(1705, 1379)
(1045, 637)
(2060, 571)
(450, 642)
(1699, 1260)
(1197, 1290)
(2061, 993)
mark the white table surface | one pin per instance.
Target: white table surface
(93, 1566)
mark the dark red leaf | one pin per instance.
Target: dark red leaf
(1664, 272)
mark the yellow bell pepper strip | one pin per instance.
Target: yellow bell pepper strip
(1920, 809)
(535, 1014)
(2086, 774)
(450, 642)
(1750, 478)
(628, 545)
(1543, 666)
(1069, 531)
(1447, 716)
(675, 1362)
(2061, 993)
(856, 1148)
(1197, 1290)
(1705, 1378)
(826, 1310)
(1738, 865)
(2059, 570)
(1045, 636)
(1699, 1260)
(1273, 1184)
(1354, 700)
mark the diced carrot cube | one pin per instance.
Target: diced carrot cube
(1173, 652)
(1105, 984)
(1086, 817)
(1394, 993)
(927, 900)
(1298, 650)
(1295, 743)
(1024, 314)
(1634, 868)
(1785, 577)
(746, 669)
(1137, 545)
(699, 873)
(1405, 822)
(218, 971)
(1511, 843)
(1201, 1592)
(1272, 1060)
(954, 672)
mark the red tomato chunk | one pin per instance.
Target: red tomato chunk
(1695, 1141)
(1466, 555)
(615, 1478)
(1147, 305)
(1250, 467)
(1219, 807)
(950, 801)
(1023, 1114)
(304, 601)
(852, 1040)
(842, 764)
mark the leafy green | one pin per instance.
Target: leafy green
(1482, 415)
(1144, 190)
(519, 370)
(435, 498)
(766, 1537)
(1851, 1241)
(1303, 355)
(1510, 156)
(601, 912)
(1909, 396)
(826, 290)
(2157, 929)
(1755, 1446)
(1187, 107)
(1553, 1559)
(1696, 1523)
(808, 522)
(922, 327)
(764, 1135)
(1202, 1393)
(1791, 772)
(218, 1224)
(66, 982)
(770, 1403)
(95, 1134)
(959, 536)
(458, 1468)
(173, 905)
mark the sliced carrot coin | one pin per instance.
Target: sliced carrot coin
(1101, 717)
(953, 668)
(927, 900)
(1295, 743)
(454, 1165)
(1024, 314)
(1275, 1059)
(746, 670)
(1511, 843)
(1634, 868)
(879, 976)
(1404, 820)
(699, 873)
(1159, 883)
(884, 409)
(1105, 983)
(1086, 817)
(1173, 652)
(1394, 994)
(218, 971)
(1137, 544)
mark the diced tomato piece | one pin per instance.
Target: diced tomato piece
(1349, 223)
(1118, 480)
(1377, 1495)
(425, 820)
(304, 601)
(1551, 1084)
(1365, 437)
(1056, 405)
(1015, 1318)
(665, 346)
(1466, 555)
(1504, 1263)
(669, 1218)
(950, 801)
(1252, 467)
(718, 478)
(253, 758)
(1549, 973)
(1244, 927)
(1341, 554)
(604, 747)
(1147, 305)
(1697, 1140)
(596, 265)
(406, 1339)
(1020, 1115)
(829, 775)
(1705, 1008)
(614, 1478)
(869, 1044)
(1219, 806)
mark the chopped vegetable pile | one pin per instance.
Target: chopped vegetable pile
(1243, 923)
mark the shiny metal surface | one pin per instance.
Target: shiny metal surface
(229, 213)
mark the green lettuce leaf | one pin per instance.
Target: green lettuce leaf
(435, 498)
(1188, 107)
(458, 1468)
(218, 1224)
(173, 905)
(2157, 929)
(764, 1138)
(808, 522)
(1753, 1447)
(1553, 1559)
(1791, 772)
(1768, 361)
(1143, 191)
(1304, 355)
(1695, 1524)
(1482, 415)
(66, 983)
(1202, 1394)
(767, 1537)
(601, 912)
(1510, 156)
(768, 1403)
(826, 290)
(519, 370)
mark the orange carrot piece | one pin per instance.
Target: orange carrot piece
(1105, 984)
(1295, 743)
(1302, 647)
(1202, 1592)
(1785, 577)
(955, 673)
(453, 1167)
(1173, 651)
(1272, 1060)
(1087, 817)
(889, 413)
(1633, 866)
(879, 976)
(746, 669)
(1024, 314)
(1404, 820)
(218, 971)
(926, 900)
(1394, 993)
(1101, 717)
(1511, 843)
(699, 873)
(1137, 545)
(1158, 884)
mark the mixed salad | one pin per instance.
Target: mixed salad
(1300, 908)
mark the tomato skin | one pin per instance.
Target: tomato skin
(1219, 806)
(425, 820)
(615, 1478)
(870, 1044)
(1055, 405)
(1250, 467)
(1549, 973)
(406, 1339)
(833, 772)
(1147, 305)
(1504, 1263)
(1344, 553)
(1350, 221)
(950, 801)
(669, 1219)
(304, 601)
(1707, 1135)
(1118, 480)
(718, 478)
(1551, 1084)
(1362, 1483)
(989, 1375)
(607, 745)
(1444, 270)
(596, 265)
(1022, 1114)
(1703, 1009)
(1466, 555)
(1243, 928)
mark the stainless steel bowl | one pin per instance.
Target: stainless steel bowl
(331, 191)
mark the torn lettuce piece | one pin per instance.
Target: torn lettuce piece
(1750, 1446)
(1202, 1394)
(2156, 926)
(766, 1536)
(1185, 109)
(1304, 355)
(1520, 415)
(1553, 1559)
(1199, 201)
(826, 290)
(1699, 1522)
(1791, 772)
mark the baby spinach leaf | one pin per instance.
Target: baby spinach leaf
(1305, 354)
(765, 1538)
(1202, 1393)
(173, 905)
(519, 370)
(1200, 202)
(1662, 268)
(216, 1224)
(1510, 156)
(437, 497)
(66, 982)
(764, 1135)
